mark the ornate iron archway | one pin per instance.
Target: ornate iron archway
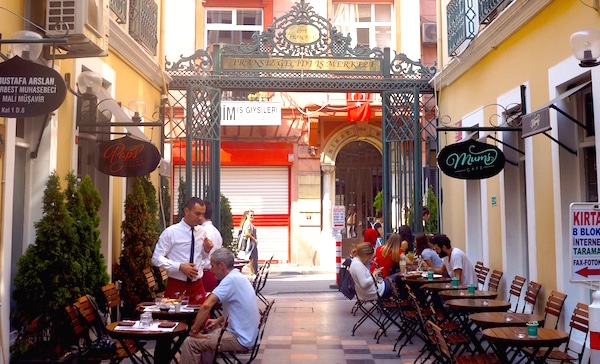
(303, 52)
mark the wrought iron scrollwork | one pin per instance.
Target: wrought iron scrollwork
(199, 63)
(404, 66)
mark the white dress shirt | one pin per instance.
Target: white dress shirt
(215, 236)
(174, 246)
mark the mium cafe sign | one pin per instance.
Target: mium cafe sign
(29, 89)
(471, 160)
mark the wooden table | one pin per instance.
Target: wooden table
(463, 307)
(473, 305)
(167, 342)
(504, 337)
(442, 286)
(187, 313)
(464, 293)
(486, 320)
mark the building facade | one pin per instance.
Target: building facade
(508, 77)
(293, 171)
(121, 41)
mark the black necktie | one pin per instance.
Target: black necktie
(192, 252)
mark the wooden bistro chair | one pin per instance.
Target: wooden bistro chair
(88, 327)
(482, 276)
(495, 279)
(449, 357)
(150, 279)
(113, 301)
(235, 357)
(515, 291)
(478, 266)
(554, 307)
(531, 295)
(579, 323)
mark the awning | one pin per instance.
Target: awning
(538, 121)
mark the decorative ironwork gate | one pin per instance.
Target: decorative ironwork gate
(301, 52)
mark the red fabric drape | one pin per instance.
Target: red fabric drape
(359, 108)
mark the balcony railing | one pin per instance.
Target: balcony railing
(489, 9)
(143, 23)
(119, 8)
(462, 23)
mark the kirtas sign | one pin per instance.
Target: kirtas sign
(29, 89)
(585, 241)
(471, 160)
(127, 157)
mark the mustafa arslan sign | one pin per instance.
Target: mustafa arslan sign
(29, 89)
(127, 157)
(471, 160)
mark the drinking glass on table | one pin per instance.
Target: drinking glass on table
(185, 300)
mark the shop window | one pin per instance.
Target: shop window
(587, 144)
(232, 26)
(369, 25)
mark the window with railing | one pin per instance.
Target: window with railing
(140, 19)
(143, 23)
(232, 26)
(369, 25)
(119, 10)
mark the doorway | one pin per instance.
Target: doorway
(358, 171)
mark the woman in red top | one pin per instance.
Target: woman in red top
(388, 255)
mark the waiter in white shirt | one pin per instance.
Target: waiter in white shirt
(208, 277)
(179, 251)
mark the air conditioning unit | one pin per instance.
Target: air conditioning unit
(87, 23)
(429, 33)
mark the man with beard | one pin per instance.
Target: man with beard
(456, 262)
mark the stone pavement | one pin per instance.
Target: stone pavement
(312, 323)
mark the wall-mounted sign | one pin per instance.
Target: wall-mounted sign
(29, 89)
(535, 122)
(127, 157)
(247, 113)
(585, 241)
(471, 160)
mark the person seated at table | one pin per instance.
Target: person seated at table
(366, 287)
(408, 245)
(388, 256)
(238, 299)
(456, 263)
(370, 236)
(429, 258)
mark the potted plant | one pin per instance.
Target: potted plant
(64, 263)
(141, 230)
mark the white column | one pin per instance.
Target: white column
(327, 235)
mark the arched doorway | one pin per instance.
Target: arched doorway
(358, 178)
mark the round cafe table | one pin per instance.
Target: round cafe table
(442, 286)
(486, 320)
(472, 305)
(464, 293)
(503, 338)
(187, 313)
(167, 342)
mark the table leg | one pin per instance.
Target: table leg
(465, 323)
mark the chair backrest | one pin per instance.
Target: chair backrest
(482, 276)
(150, 279)
(554, 306)
(477, 267)
(113, 300)
(515, 291)
(579, 322)
(441, 342)
(531, 295)
(494, 281)
(163, 275)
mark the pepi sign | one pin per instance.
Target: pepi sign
(471, 160)
(127, 157)
(29, 89)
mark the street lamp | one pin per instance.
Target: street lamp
(585, 45)
(30, 49)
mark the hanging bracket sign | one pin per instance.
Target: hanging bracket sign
(127, 157)
(585, 241)
(29, 89)
(471, 159)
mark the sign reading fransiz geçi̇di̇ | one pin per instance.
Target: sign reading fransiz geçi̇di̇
(29, 89)
(127, 157)
(471, 160)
